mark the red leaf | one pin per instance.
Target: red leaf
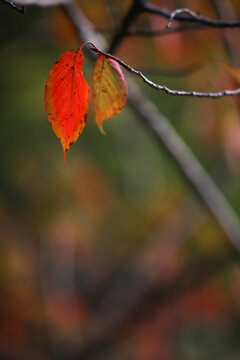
(109, 89)
(67, 97)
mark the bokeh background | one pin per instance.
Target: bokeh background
(115, 256)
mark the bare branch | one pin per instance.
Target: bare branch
(212, 95)
(176, 12)
(20, 9)
(219, 23)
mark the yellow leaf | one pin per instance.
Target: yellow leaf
(109, 89)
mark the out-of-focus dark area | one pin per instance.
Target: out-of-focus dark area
(115, 257)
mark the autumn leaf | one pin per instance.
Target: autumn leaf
(109, 89)
(66, 98)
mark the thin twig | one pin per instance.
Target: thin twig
(20, 9)
(219, 23)
(176, 12)
(140, 6)
(212, 95)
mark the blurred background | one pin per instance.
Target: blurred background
(115, 257)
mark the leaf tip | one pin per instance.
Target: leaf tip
(101, 129)
(64, 158)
